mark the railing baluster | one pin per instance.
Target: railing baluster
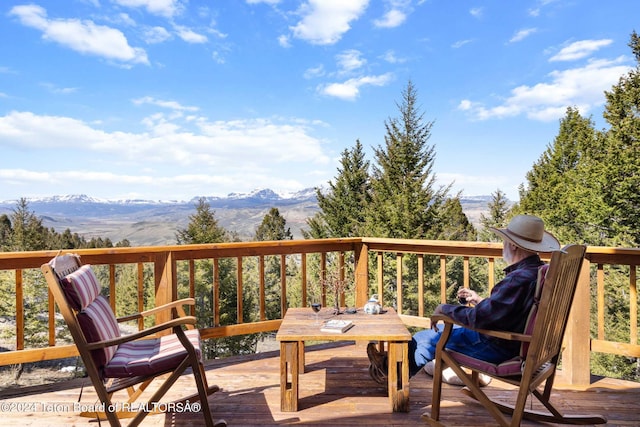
(380, 259)
(303, 278)
(239, 291)
(492, 274)
(216, 292)
(421, 285)
(633, 305)
(261, 291)
(19, 310)
(600, 300)
(283, 284)
(465, 275)
(399, 284)
(140, 289)
(112, 287)
(52, 319)
(443, 279)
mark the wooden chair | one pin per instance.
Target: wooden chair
(541, 346)
(117, 362)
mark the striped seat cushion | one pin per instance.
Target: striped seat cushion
(98, 323)
(508, 368)
(80, 287)
(151, 356)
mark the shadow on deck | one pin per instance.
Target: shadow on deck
(335, 391)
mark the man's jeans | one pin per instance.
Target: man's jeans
(422, 347)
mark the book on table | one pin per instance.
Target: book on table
(336, 326)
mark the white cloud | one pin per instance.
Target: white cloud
(283, 41)
(476, 12)
(171, 105)
(190, 36)
(580, 49)
(83, 36)
(391, 19)
(391, 57)
(166, 8)
(325, 21)
(350, 89)
(582, 87)
(59, 90)
(171, 141)
(314, 72)
(461, 43)
(535, 11)
(271, 2)
(218, 57)
(154, 35)
(522, 34)
(350, 60)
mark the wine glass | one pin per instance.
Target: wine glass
(462, 300)
(316, 306)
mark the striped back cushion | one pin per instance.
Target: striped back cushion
(531, 319)
(98, 323)
(80, 287)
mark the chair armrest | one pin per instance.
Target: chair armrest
(160, 308)
(505, 335)
(171, 324)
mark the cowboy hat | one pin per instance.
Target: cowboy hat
(528, 233)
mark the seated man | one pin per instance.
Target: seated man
(505, 309)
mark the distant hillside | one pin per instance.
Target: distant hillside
(147, 222)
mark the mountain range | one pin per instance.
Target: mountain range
(155, 222)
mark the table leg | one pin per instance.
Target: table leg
(398, 374)
(289, 375)
(301, 357)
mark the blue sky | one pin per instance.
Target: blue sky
(174, 99)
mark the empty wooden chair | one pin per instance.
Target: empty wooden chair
(117, 362)
(541, 346)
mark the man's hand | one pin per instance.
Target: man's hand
(470, 296)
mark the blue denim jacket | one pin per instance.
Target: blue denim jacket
(508, 305)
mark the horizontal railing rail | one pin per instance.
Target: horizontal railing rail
(411, 275)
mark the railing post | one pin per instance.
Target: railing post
(166, 283)
(361, 273)
(576, 368)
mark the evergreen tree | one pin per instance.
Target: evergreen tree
(498, 210)
(620, 170)
(405, 202)
(562, 187)
(342, 212)
(28, 233)
(203, 228)
(273, 227)
(6, 233)
(454, 224)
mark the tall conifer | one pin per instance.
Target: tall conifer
(405, 200)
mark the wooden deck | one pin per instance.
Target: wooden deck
(335, 391)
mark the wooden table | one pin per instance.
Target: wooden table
(299, 326)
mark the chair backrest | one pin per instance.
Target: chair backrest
(557, 294)
(88, 314)
(533, 313)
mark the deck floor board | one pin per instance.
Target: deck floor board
(335, 390)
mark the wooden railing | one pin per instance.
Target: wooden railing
(366, 262)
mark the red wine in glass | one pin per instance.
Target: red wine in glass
(316, 306)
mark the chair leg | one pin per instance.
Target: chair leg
(553, 416)
(203, 391)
